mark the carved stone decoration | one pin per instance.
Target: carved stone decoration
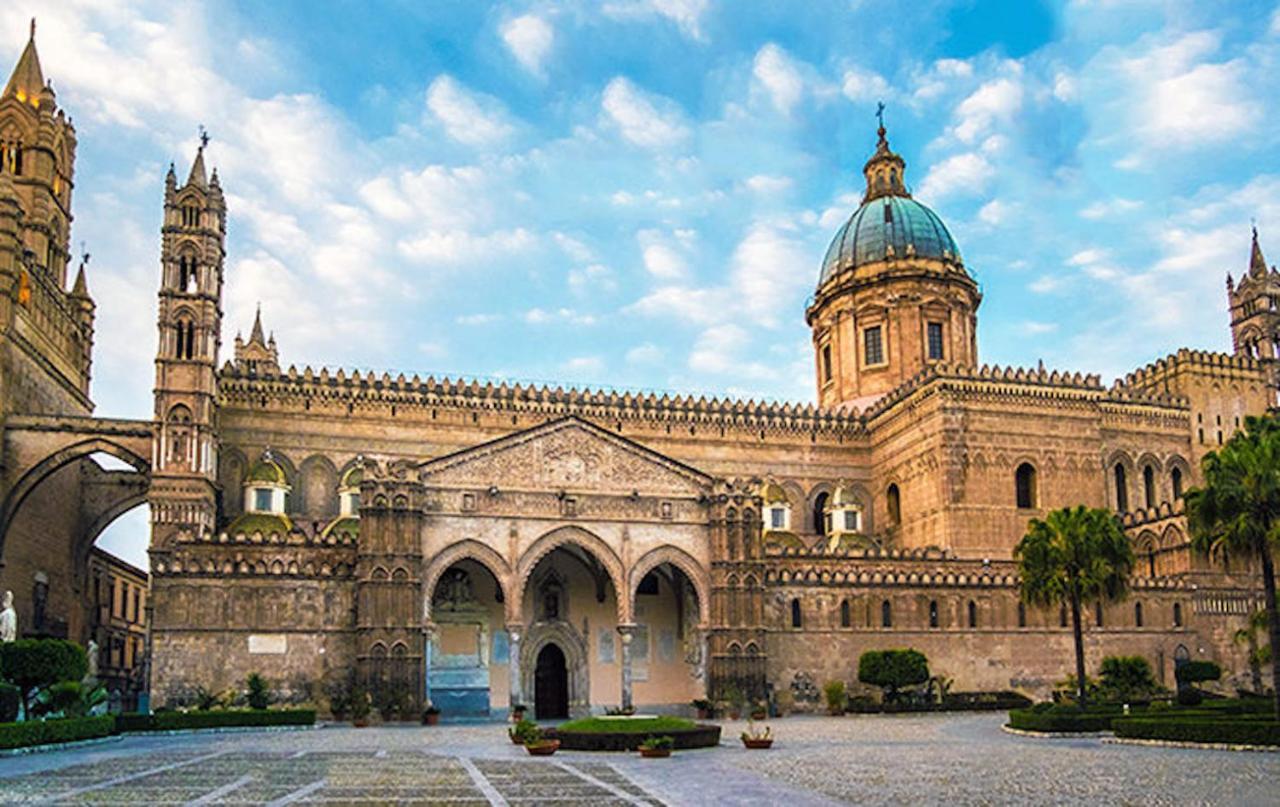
(453, 592)
(8, 620)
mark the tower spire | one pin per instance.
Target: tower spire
(27, 80)
(1257, 264)
(885, 170)
(256, 334)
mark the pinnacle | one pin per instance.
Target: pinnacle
(27, 80)
(1257, 264)
(198, 176)
(256, 334)
(81, 287)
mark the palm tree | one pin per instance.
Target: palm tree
(1258, 655)
(1238, 510)
(1076, 555)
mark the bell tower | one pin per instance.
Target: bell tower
(1254, 303)
(184, 487)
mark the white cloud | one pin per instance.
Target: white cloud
(580, 366)
(647, 353)
(662, 256)
(860, 86)
(996, 101)
(687, 14)
(1033, 328)
(469, 117)
(1086, 257)
(589, 281)
(995, 212)
(719, 350)
(646, 120)
(448, 247)
(961, 174)
(1045, 284)
(778, 74)
(529, 38)
(538, 316)
(768, 185)
(1109, 207)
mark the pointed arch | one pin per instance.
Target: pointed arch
(683, 561)
(473, 550)
(585, 540)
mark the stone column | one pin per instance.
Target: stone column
(513, 663)
(624, 656)
(428, 631)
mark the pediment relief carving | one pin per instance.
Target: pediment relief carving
(568, 454)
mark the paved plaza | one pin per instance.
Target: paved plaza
(963, 759)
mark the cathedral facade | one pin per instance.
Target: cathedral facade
(477, 544)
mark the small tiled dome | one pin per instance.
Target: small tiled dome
(267, 470)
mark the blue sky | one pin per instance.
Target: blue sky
(638, 193)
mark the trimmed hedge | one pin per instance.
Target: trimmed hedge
(1061, 721)
(1239, 731)
(229, 718)
(41, 732)
(700, 736)
(955, 702)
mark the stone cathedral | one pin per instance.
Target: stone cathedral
(477, 544)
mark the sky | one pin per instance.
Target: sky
(637, 194)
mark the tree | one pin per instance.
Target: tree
(1127, 678)
(1075, 555)
(33, 664)
(891, 670)
(1238, 510)
(1258, 654)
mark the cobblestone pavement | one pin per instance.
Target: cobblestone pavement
(816, 761)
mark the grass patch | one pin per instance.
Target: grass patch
(627, 725)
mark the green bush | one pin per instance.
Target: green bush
(10, 700)
(1193, 672)
(69, 699)
(38, 663)
(230, 718)
(1127, 678)
(1061, 719)
(656, 743)
(40, 732)
(891, 670)
(259, 691)
(1240, 731)
(1189, 696)
(833, 691)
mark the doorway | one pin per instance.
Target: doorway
(551, 684)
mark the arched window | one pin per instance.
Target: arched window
(820, 513)
(1137, 614)
(1175, 476)
(893, 503)
(973, 614)
(886, 615)
(933, 613)
(1149, 485)
(186, 337)
(1097, 614)
(796, 617)
(190, 215)
(188, 274)
(1022, 615)
(846, 619)
(1177, 614)
(1025, 484)
(1122, 489)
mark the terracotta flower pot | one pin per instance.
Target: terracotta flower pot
(757, 743)
(704, 714)
(543, 748)
(655, 753)
(430, 718)
(517, 715)
(734, 715)
(760, 715)
(360, 722)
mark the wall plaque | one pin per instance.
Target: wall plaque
(268, 644)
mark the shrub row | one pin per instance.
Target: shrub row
(40, 732)
(700, 736)
(1200, 730)
(1060, 721)
(174, 721)
(955, 702)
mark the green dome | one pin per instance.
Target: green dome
(267, 470)
(888, 227)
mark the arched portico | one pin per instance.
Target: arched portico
(585, 540)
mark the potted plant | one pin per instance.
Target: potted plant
(517, 712)
(759, 710)
(431, 715)
(703, 707)
(657, 747)
(756, 739)
(360, 706)
(535, 743)
(734, 697)
(520, 729)
(834, 692)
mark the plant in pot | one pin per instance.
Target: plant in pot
(834, 692)
(703, 707)
(517, 712)
(431, 715)
(734, 697)
(535, 743)
(360, 705)
(759, 710)
(756, 738)
(518, 732)
(657, 747)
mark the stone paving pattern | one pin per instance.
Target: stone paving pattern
(816, 761)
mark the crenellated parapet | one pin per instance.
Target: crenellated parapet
(307, 387)
(1157, 375)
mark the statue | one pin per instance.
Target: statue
(92, 652)
(8, 620)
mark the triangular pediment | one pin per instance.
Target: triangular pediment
(567, 454)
